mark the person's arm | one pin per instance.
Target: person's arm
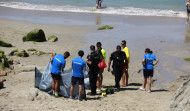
(89, 62)
(109, 63)
(143, 62)
(155, 62)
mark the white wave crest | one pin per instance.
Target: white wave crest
(104, 10)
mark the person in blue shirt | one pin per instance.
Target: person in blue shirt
(78, 65)
(148, 68)
(58, 64)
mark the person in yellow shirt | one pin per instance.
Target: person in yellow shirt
(125, 76)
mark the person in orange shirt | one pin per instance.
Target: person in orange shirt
(125, 76)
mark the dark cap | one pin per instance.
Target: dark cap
(92, 47)
(118, 47)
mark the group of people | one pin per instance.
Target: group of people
(120, 59)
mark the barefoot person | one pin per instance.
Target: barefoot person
(58, 64)
(102, 54)
(125, 76)
(188, 10)
(98, 3)
(78, 65)
(148, 68)
(118, 58)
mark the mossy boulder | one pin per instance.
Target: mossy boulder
(187, 59)
(105, 27)
(3, 61)
(52, 38)
(36, 35)
(19, 52)
(5, 44)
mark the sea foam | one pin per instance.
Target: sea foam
(103, 10)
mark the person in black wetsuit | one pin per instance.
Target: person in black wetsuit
(118, 58)
(92, 61)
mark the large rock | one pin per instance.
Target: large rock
(181, 98)
(19, 52)
(3, 60)
(5, 44)
(52, 38)
(36, 35)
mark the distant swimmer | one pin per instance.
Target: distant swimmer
(188, 10)
(98, 3)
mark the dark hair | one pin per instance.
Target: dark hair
(99, 52)
(98, 43)
(124, 41)
(151, 51)
(81, 53)
(67, 53)
(147, 50)
(92, 47)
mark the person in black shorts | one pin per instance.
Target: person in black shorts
(92, 61)
(58, 64)
(148, 68)
(118, 58)
(78, 65)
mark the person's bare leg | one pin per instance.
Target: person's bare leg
(101, 80)
(71, 90)
(98, 83)
(127, 76)
(53, 85)
(187, 18)
(80, 91)
(96, 6)
(123, 79)
(145, 81)
(100, 4)
(149, 81)
(56, 87)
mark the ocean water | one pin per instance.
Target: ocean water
(169, 8)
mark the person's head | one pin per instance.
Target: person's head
(98, 45)
(92, 48)
(80, 53)
(98, 51)
(66, 54)
(123, 43)
(147, 50)
(118, 48)
(188, 0)
(151, 51)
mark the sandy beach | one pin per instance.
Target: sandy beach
(168, 37)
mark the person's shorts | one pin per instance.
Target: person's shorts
(125, 67)
(188, 10)
(148, 72)
(56, 76)
(75, 79)
(97, 1)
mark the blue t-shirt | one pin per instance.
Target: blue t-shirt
(58, 63)
(78, 65)
(149, 58)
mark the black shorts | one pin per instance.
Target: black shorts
(56, 76)
(148, 72)
(79, 79)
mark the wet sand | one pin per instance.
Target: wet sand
(167, 37)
